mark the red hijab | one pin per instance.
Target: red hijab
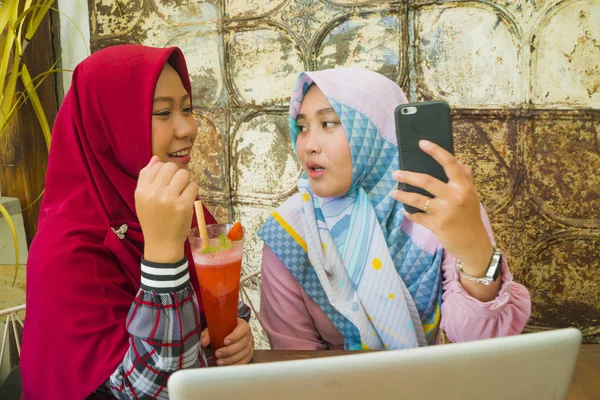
(81, 278)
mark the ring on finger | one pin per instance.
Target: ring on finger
(427, 205)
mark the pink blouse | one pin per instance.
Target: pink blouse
(294, 321)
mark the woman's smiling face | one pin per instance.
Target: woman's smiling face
(174, 129)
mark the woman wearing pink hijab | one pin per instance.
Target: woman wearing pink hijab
(112, 307)
(345, 267)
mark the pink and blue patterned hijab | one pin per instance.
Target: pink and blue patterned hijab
(356, 255)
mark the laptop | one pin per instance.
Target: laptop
(532, 366)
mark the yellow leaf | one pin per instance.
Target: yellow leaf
(37, 19)
(8, 95)
(7, 12)
(64, 15)
(35, 102)
(23, 12)
(9, 42)
(35, 201)
(5, 49)
(22, 97)
(8, 46)
(13, 231)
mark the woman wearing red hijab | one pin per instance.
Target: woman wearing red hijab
(111, 303)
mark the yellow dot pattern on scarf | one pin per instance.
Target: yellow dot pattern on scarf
(305, 196)
(391, 296)
(324, 246)
(376, 263)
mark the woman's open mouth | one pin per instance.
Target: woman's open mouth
(314, 170)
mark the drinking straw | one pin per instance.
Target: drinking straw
(201, 222)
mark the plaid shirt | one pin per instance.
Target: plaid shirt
(164, 323)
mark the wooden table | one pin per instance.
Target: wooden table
(586, 379)
(585, 384)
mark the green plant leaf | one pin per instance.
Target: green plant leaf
(13, 231)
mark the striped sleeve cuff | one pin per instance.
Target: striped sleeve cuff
(165, 278)
(244, 311)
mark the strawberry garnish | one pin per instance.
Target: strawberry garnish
(236, 232)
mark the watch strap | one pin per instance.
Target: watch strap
(492, 273)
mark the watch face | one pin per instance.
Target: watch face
(498, 267)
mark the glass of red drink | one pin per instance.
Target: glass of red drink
(218, 263)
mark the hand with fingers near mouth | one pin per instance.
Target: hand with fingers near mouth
(454, 212)
(164, 202)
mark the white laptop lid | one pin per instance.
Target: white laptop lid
(531, 366)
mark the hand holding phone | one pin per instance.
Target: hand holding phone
(433, 180)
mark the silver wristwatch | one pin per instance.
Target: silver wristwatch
(492, 272)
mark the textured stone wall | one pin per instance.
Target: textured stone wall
(522, 76)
